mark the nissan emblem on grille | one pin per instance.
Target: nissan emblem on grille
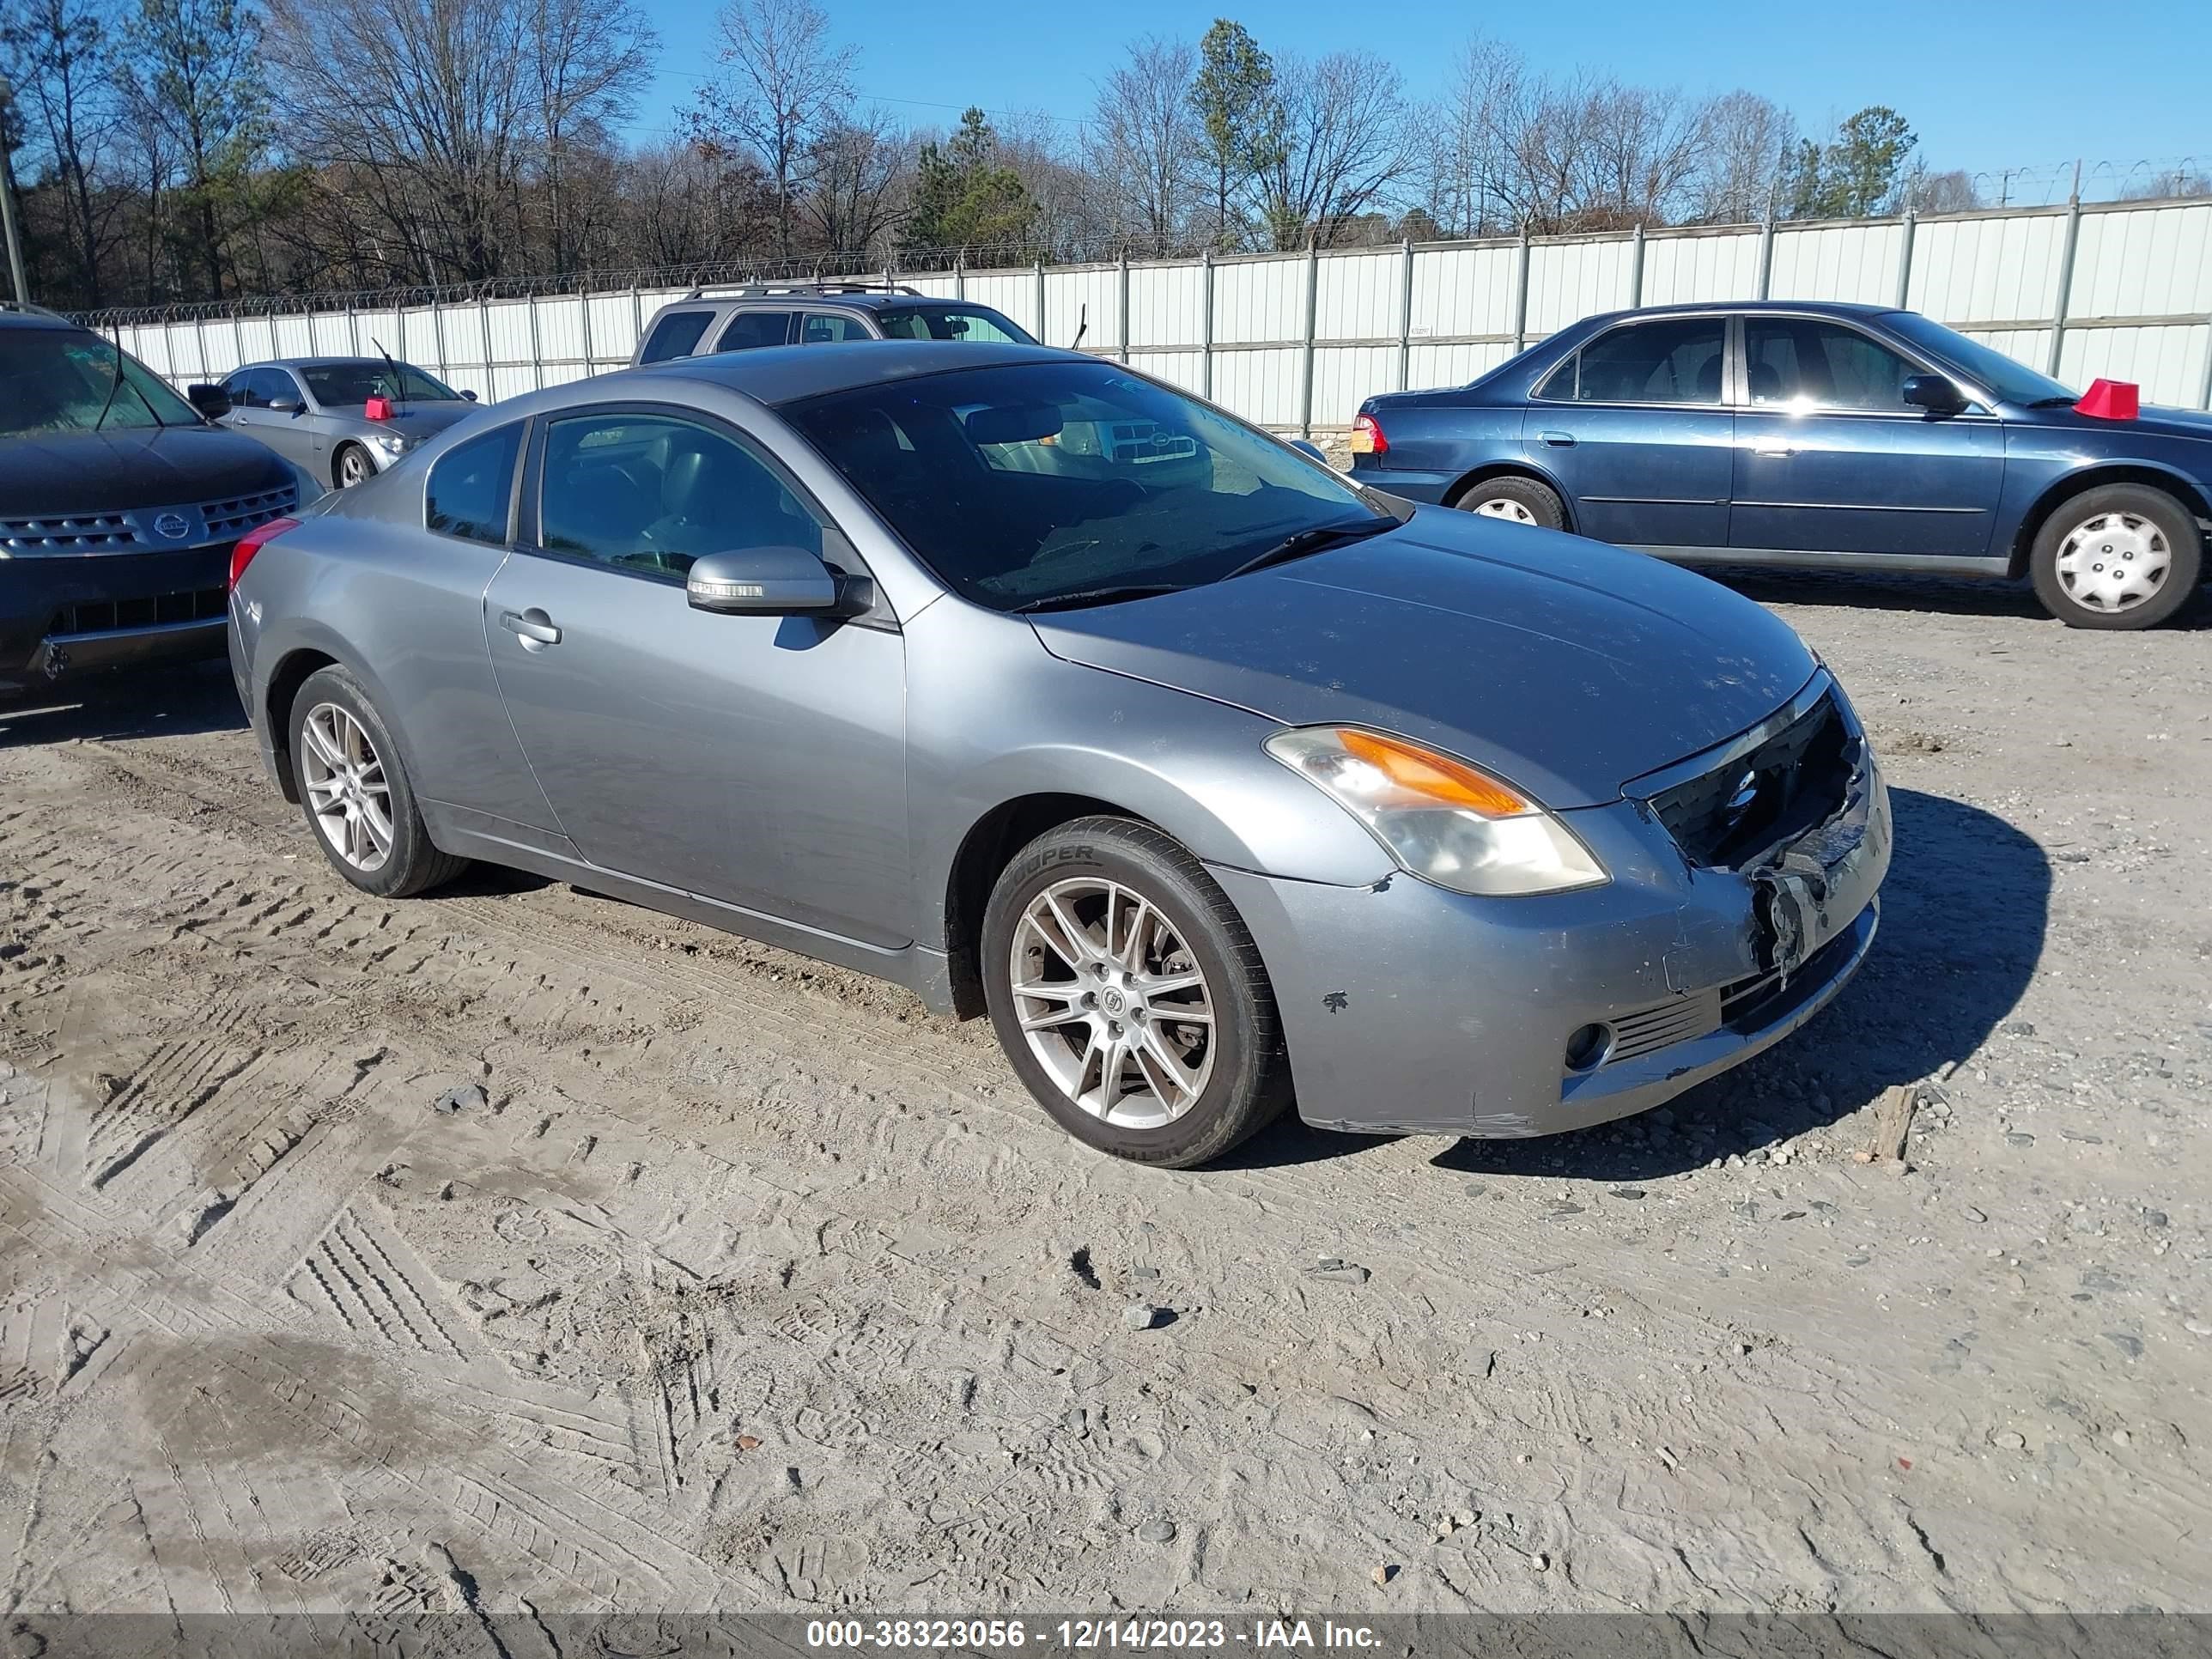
(172, 527)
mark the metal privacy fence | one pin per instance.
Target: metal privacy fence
(1295, 341)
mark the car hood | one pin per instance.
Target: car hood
(413, 422)
(114, 471)
(1565, 666)
(2156, 420)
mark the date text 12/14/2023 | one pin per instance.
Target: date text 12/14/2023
(1128, 1635)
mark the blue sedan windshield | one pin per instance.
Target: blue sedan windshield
(2004, 378)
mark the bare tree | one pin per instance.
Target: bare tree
(195, 71)
(1748, 141)
(784, 83)
(52, 53)
(854, 168)
(1642, 147)
(1338, 127)
(1458, 139)
(1142, 145)
(588, 61)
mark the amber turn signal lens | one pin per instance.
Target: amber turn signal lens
(1450, 782)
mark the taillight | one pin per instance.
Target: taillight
(1367, 437)
(253, 541)
(377, 409)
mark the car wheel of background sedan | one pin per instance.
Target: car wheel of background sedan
(1516, 500)
(1129, 997)
(2120, 556)
(355, 795)
(352, 466)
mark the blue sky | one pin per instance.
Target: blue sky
(1986, 85)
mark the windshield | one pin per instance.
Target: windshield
(1034, 482)
(951, 323)
(2003, 378)
(54, 380)
(334, 385)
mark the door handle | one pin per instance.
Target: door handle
(532, 627)
(1775, 452)
(1557, 440)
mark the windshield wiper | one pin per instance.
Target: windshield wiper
(1318, 539)
(2064, 400)
(1083, 597)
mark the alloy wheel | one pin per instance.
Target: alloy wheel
(2113, 562)
(1503, 507)
(353, 469)
(1112, 1002)
(346, 787)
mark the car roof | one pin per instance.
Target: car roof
(783, 374)
(1797, 307)
(315, 362)
(36, 317)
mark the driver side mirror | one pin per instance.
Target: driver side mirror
(211, 401)
(1933, 393)
(471, 396)
(285, 406)
(774, 581)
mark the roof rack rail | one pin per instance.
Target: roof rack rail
(831, 285)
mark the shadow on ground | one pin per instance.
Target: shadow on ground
(1867, 591)
(151, 703)
(1963, 917)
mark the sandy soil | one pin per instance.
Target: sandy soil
(744, 1283)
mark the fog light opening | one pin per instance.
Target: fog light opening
(1588, 1047)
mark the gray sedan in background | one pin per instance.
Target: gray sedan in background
(1215, 779)
(322, 414)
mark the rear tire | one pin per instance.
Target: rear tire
(355, 793)
(1128, 995)
(2118, 556)
(1514, 500)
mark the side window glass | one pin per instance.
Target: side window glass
(240, 388)
(471, 486)
(748, 329)
(826, 327)
(652, 493)
(676, 335)
(1559, 386)
(1675, 360)
(1796, 360)
(275, 386)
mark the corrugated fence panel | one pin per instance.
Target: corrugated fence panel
(614, 328)
(2144, 262)
(506, 324)
(1261, 385)
(560, 333)
(937, 284)
(2003, 269)
(1571, 280)
(1167, 305)
(2167, 363)
(1014, 292)
(1837, 262)
(1679, 268)
(1085, 300)
(1359, 298)
(1463, 290)
(331, 334)
(1345, 375)
(1453, 365)
(1259, 300)
(1184, 368)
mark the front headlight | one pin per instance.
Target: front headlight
(390, 444)
(1442, 819)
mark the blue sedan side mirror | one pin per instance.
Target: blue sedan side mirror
(1933, 393)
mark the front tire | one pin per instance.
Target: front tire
(1514, 500)
(1128, 995)
(351, 467)
(2118, 556)
(355, 795)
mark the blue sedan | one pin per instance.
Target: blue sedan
(1836, 436)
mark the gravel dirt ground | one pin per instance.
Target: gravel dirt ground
(515, 1249)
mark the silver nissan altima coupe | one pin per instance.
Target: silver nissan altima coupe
(1024, 680)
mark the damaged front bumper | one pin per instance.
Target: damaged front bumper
(1408, 1009)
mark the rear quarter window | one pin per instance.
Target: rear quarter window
(676, 335)
(470, 493)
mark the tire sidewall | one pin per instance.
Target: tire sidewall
(2162, 509)
(1542, 502)
(411, 849)
(1238, 1064)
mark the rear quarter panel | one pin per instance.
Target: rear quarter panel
(1436, 439)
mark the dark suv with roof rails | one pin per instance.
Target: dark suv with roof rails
(709, 320)
(119, 505)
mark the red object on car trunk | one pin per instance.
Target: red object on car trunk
(252, 542)
(377, 409)
(2111, 400)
